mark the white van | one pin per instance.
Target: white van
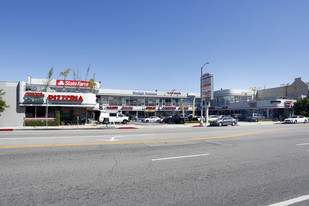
(113, 117)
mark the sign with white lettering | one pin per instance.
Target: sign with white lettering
(72, 83)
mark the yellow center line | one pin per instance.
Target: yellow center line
(151, 141)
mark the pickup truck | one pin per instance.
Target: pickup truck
(296, 119)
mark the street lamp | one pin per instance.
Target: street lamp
(201, 122)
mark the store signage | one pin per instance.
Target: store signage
(207, 86)
(169, 108)
(212, 107)
(176, 93)
(72, 83)
(150, 109)
(287, 103)
(111, 107)
(144, 93)
(252, 104)
(65, 98)
(224, 107)
(34, 97)
(34, 94)
(127, 108)
(183, 108)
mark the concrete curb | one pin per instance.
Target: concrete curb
(129, 126)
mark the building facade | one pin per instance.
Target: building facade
(78, 102)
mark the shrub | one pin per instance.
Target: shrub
(40, 123)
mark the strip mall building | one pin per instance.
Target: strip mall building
(79, 102)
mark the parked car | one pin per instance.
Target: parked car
(176, 119)
(212, 118)
(254, 117)
(192, 118)
(296, 119)
(224, 121)
(152, 119)
(199, 118)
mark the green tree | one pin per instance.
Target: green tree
(3, 104)
(65, 74)
(301, 107)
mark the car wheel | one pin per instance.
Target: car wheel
(233, 123)
(124, 122)
(181, 121)
(147, 121)
(295, 122)
(305, 121)
(220, 124)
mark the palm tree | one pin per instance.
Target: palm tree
(49, 76)
(65, 74)
(286, 86)
(254, 89)
(295, 87)
(246, 95)
(92, 83)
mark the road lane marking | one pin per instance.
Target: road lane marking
(179, 157)
(150, 141)
(66, 137)
(112, 139)
(292, 201)
(302, 144)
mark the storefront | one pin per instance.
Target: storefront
(73, 107)
(141, 104)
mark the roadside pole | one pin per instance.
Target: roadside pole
(202, 98)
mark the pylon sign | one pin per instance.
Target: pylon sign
(207, 86)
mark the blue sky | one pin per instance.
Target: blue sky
(157, 44)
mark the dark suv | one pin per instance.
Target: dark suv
(176, 119)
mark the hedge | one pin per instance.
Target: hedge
(40, 123)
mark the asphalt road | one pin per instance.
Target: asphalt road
(244, 165)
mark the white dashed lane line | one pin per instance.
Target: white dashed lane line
(179, 157)
(292, 201)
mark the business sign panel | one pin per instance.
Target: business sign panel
(207, 86)
(72, 83)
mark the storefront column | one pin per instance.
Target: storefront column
(267, 113)
(136, 114)
(86, 121)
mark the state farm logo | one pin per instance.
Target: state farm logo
(60, 83)
(72, 83)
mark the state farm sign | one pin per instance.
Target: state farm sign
(72, 83)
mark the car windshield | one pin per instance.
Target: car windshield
(213, 116)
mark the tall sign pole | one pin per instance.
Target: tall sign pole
(207, 91)
(202, 91)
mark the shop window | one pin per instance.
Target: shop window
(40, 111)
(30, 111)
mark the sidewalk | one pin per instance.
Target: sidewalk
(131, 125)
